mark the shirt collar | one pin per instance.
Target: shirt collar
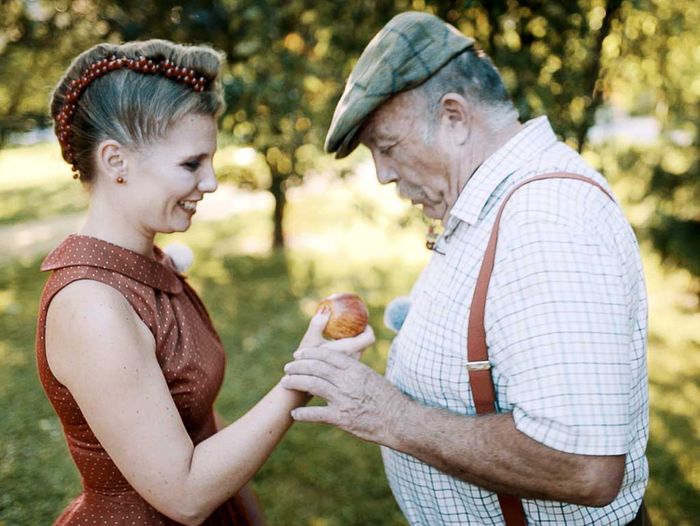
(535, 136)
(77, 250)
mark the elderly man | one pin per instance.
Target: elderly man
(561, 316)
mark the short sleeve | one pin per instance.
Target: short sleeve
(560, 334)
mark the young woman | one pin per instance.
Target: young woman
(126, 351)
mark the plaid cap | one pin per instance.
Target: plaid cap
(407, 51)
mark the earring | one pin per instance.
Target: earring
(120, 180)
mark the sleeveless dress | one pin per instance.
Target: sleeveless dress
(190, 355)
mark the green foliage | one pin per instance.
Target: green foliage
(667, 43)
(678, 240)
(549, 53)
(287, 61)
(37, 41)
(37, 175)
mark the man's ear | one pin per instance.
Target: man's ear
(113, 160)
(455, 113)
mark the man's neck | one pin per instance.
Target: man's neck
(485, 143)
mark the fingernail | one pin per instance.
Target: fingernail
(293, 414)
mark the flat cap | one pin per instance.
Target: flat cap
(407, 51)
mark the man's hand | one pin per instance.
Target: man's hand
(360, 401)
(484, 450)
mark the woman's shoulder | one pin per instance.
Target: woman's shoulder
(88, 295)
(88, 317)
(89, 304)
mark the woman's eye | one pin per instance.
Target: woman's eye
(192, 166)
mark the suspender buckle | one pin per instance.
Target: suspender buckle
(479, 366)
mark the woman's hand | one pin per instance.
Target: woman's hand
(352, 347)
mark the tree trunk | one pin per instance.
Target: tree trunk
(278, 192)
(3, 137)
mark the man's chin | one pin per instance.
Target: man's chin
(431, 212)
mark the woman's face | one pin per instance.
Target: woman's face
(168, 177)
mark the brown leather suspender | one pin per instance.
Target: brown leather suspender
(478, 365)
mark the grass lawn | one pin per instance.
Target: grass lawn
(340, 239)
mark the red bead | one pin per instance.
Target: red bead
(187, 76)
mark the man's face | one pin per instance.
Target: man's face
(408, 151)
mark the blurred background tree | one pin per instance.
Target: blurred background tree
(287, 62)
(661, 76)
(37, 41)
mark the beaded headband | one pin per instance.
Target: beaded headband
(100, 68)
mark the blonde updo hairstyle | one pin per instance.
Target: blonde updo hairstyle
(131, 107)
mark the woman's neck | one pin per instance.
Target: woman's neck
(108, 225)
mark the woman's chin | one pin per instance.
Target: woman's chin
(176, 226)
(182, 227)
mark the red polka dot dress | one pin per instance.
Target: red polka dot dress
(190, 355)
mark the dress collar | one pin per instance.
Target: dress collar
(533, 138)
(78, 250)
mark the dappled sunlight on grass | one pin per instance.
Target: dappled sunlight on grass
(59, 197)
(36, 183)
(31, 166)
(674, 390)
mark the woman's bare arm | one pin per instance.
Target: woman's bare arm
(101, 350)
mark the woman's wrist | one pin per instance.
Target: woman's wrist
(297, 398)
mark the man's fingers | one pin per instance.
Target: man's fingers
(314, 334)
(324, 354)
(317, 414)
(310, 384)
(316, 368)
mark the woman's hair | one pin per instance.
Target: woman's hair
(107, 94)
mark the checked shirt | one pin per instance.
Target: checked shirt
(566, 327)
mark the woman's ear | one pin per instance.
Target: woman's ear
(455, 113)
(113, 160)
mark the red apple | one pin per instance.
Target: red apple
(348, 315)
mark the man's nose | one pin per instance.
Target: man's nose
(385, 173)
